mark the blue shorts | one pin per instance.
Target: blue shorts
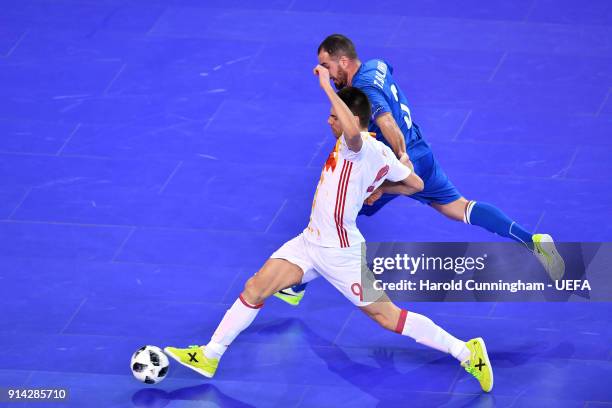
(438, 188)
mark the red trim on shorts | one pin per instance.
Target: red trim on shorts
(247, 304)
(401, 321)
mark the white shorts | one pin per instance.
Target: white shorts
(339, 266)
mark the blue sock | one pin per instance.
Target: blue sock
(494, 220)
(299, 288)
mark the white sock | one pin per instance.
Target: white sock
(426, 332)
(236, 319)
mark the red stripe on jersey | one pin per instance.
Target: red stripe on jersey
(345, 175)
(348, 176)
(338, 204)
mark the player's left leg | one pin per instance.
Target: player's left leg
(494, 220)
(286, 267)
(472, 355)
(487, 216)
(443, 196)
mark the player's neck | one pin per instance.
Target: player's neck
(352, 70)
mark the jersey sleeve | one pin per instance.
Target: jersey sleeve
(377, 99)
(397, 171)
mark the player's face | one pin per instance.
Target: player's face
(334, 123)
(337, 74)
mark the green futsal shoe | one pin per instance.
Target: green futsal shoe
(479, 365)
(290, 296)
(544, 249)
(193, 357)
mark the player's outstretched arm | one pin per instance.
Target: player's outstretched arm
(351, 131)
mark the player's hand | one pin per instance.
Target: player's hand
(376, 194)
(323, 74)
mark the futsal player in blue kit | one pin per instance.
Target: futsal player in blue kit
(393, 125)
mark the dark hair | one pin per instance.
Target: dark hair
(358, 103)
(337, 45)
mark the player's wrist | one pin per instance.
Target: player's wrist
(327, 87)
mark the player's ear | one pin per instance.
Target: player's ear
(343, 61)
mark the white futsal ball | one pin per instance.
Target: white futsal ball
(149, 364)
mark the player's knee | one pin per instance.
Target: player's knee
(253, 292)
(454, 211)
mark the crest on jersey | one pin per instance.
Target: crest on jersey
(332, 159)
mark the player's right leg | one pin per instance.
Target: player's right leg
(472, 355)
(276, 274)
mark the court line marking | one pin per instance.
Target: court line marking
(499, 64)
(14, 47)
(304, 393)
(176, 169)
(276, 215)
(539, 221)
(73, 315)
(342, 328)
(603, 103)
(127, 238)
(229, 288)
(74, 131)
(563, 172)
(108, 87)
(213, 116)
(456, 379)
(467, 117)
(27, 193)
(161, 14)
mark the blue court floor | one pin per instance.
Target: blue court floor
(153, 154)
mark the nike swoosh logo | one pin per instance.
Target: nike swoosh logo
(285, 293)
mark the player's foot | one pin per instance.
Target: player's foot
(193, 357)
(479, 365)
(290, 296)
(544, 249)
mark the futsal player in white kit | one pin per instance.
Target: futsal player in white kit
(330, 246)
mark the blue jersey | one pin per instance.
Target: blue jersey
(375, 79)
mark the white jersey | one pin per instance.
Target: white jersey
(347, 179)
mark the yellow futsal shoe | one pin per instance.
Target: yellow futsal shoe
(479, 365)
(544, 249)
(290, 296)
(193, 357)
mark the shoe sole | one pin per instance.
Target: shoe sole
(486, 357)
(197, 370)
(287, 300)
(553, 254)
